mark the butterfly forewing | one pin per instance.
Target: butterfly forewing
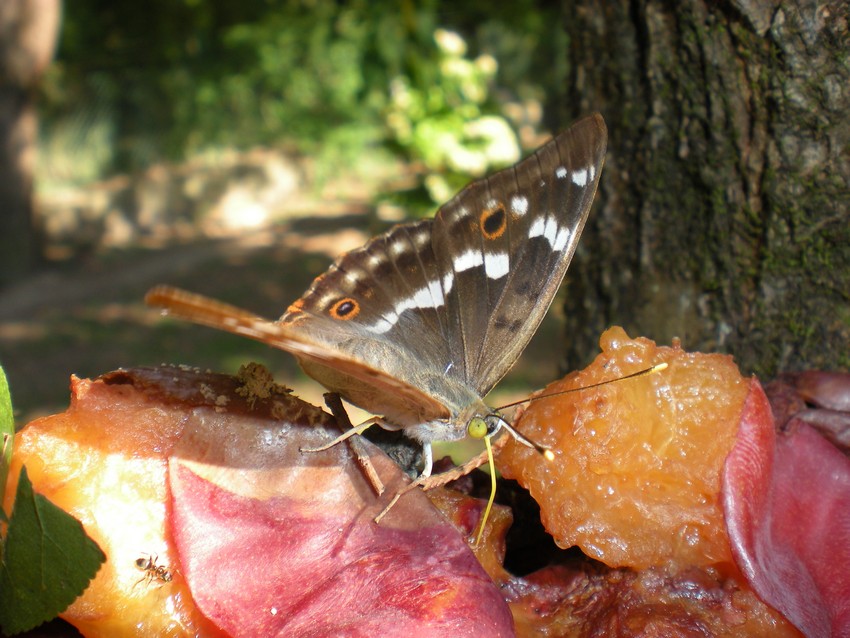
(505, 243)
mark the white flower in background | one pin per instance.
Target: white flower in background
(400, 93)
(438, 188)
(450, 42)
(467, 160)
(442, 124)
(487, 64)
(500, 142)
(456, 68)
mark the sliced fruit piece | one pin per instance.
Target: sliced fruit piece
(636, 478)
(787, 503)
(275, 542)
(104, 462)
(191, 480)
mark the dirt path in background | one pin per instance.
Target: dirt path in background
(86, 318)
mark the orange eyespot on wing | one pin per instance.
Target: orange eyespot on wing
(493, 221)
(345, 309)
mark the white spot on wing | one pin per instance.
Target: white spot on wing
(551, 232)
(537, 227)
(496, 265)
(454, 214)
(580, 177)
(561, 240)
(560, 172)
(436, 291)
(421, 238)
(383, 325)
(519, 205)
(548, 229)
(422, 298)
(448, 282)
(469, 259)
(428, 296)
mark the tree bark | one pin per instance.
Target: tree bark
(724, 211)
(28, 30)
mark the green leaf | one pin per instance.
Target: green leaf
(48, 561)
(7, 431)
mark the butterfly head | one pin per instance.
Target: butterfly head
(479, 427)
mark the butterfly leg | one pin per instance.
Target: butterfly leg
(358, 429)
(427, 460)
(427, 482)
(334, 403)
(398, 495)
(427, 468)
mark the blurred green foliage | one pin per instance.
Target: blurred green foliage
(452, 124)
(433, 81)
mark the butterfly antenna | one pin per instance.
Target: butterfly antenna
(545, 451)
(640, 373)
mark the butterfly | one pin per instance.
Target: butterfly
(422, 321)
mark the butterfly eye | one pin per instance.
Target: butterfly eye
(345, 309)
(493, 222)
(477, 428)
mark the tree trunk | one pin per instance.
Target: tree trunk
(724, 212)
(28, 30)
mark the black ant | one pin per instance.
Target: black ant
(147, 564)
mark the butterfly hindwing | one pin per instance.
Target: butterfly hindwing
(309, 349)
(390, 289)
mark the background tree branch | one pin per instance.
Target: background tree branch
(28, 31)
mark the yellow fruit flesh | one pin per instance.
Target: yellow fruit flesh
(636, 478)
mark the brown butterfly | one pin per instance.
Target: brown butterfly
(421, 322)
